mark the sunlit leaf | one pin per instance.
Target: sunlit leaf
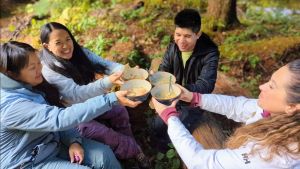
(11, 28)
(160, 156)
(175, 163)
(171, 153)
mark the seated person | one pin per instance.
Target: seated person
(269, 138)
(193, 59)
(35, 134)
(71, 69)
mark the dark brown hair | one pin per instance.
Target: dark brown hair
(79, 68)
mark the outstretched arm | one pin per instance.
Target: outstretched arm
(196, 157)
(239, 109)
(32, 115)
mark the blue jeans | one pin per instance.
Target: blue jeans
(96, 156)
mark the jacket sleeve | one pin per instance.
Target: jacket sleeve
(206, 80)
(70, 91)
(96, 60)
(25, 114)
(239, 109)
(196, 157)
(166, 63)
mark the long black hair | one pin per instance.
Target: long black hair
(14, 58)
(79, 67)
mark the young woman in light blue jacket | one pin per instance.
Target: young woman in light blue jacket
(270, 138)
(71, 68)
(34, 134)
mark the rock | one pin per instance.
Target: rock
(228, 86)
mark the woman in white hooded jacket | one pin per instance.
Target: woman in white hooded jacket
(270, 137)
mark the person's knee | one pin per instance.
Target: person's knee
(157, 126)
(88, 129)
(109, 160)
(101, 156)
(122, 112)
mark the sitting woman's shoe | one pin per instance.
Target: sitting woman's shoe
(143, 161)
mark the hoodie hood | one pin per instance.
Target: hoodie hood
(205, 45)
(9, 83)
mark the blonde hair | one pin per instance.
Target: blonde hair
(277, 133)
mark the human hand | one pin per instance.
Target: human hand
(185, 95)
(115, 78)
(124, 101)
(76, 153)
(151, 72)
(161, 107)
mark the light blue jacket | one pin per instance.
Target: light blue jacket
(71, 92)
(28, 123)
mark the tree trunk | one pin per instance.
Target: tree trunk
(222, 14)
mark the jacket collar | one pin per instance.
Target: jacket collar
(204, 45)
(8, 83)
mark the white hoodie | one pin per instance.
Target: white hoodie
(239, 109)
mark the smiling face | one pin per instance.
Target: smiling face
(60, 44)
(185, 39)
(273, 96)
(32, 73)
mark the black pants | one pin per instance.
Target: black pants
(189, 116)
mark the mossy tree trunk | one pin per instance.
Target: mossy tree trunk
(222, 14)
